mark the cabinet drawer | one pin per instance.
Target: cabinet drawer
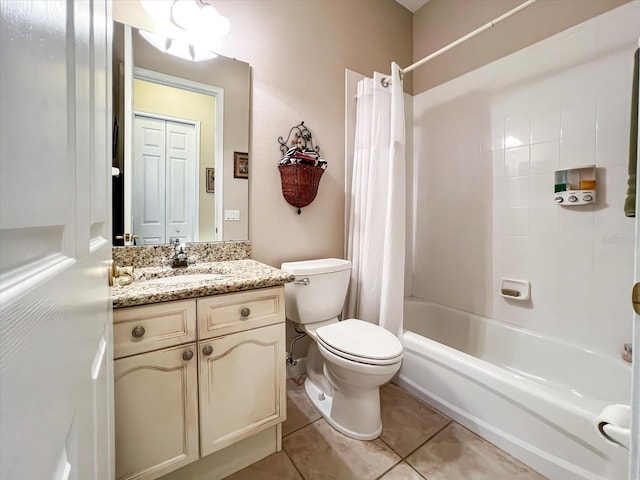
(235, 312)
(151, 327)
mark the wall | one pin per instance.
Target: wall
(486, 145)
(441, 22)
(175, 102)
(298, 52)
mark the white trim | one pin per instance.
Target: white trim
(634, 457)
(127, 130)
(218, 94)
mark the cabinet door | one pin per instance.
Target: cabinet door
(242, 385)
(156, 412)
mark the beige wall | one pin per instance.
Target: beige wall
(298, 51)
(175, 102)
(440, 22)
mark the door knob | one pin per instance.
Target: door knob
(207, 350)
(635, 298)
(188, 355)
(245, 312)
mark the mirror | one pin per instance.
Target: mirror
(186, 127)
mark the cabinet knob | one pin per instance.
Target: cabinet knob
(137, 332)
(245, 312)
(207, 350)
(188, 355)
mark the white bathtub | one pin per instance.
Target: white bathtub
(531, 395)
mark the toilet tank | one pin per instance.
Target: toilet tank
(323, 297)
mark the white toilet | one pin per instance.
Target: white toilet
(348, 360)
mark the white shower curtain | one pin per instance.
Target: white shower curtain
(376, 219)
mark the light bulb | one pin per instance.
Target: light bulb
(185, 14)
(155, 39)
(158, 10)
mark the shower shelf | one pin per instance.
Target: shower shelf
(515, 289)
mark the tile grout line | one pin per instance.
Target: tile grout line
(391, 467)
(287, 453)
(294, 464)
(300, 428)
(435, 434)
(417, 472)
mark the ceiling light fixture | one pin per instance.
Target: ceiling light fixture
(191, 29)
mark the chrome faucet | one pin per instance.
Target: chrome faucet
(179, 258)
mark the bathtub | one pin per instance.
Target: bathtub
(533, 396)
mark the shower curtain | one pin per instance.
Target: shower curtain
(376, 218)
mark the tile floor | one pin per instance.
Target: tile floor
(417, 443)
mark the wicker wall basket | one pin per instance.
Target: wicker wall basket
(300, 183)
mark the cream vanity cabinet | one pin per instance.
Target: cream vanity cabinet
(201, 375)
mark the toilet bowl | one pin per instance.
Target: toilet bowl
(348, 360)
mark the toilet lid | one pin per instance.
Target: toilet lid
(360, 339)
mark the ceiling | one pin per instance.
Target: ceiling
(412, 5)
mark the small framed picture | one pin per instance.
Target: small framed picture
(211, 180)
(240, 165)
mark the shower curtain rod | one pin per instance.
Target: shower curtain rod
(467, 37)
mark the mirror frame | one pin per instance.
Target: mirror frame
(189, 85)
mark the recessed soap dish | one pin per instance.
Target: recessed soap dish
(515, 289)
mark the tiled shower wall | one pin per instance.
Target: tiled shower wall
(486, 146)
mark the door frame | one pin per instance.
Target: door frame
(634, 460)
(176, 82)
(186, 121)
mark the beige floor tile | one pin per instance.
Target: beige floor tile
(402, 471)
(300, 410)
(406, 421)
(320, 452)
(458, 453)
(274, 467)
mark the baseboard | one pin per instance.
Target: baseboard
(229, 460)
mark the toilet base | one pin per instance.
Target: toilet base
(323, 401)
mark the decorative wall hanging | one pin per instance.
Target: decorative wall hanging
(211, 180)
(301, 167)
(240, 165)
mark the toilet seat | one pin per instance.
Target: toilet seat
(361, 342)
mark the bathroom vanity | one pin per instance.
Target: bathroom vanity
(199, 368)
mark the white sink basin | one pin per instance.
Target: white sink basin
(196, 277)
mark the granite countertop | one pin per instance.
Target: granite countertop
(235, 276)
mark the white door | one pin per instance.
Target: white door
(148, 205)
(56, 368)
(164, 180)
(181, 182)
